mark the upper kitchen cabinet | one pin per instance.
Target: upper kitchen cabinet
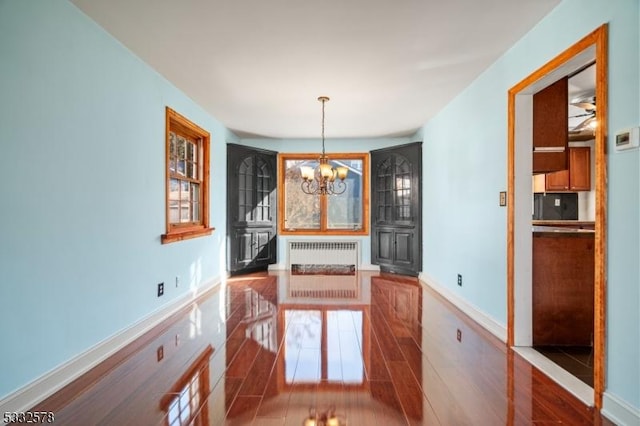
(580, 169)
(577, 177)
(550, 132)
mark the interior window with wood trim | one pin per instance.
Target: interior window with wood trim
(187, 179)
(343, 214)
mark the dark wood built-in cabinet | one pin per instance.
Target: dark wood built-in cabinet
(251, 208)
(550, 127)
(577, 177)
(396, 209)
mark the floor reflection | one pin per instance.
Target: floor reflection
(260, 318)
(264, 349)
(186, 403)
(323, 346)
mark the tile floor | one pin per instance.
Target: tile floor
(577, 360)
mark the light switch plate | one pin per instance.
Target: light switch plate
(503, 198)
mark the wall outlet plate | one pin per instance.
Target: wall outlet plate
(160, 289)
(160, 353)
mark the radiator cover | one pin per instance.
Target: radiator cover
(323, 257)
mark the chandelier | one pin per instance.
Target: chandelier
(322, 179)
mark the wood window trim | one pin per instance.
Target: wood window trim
(324, 230)
(177, 232)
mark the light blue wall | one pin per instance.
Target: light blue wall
(82, 189)
(82, 185)
(465, 161)
(331, 145)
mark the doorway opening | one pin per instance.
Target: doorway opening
(592, 49)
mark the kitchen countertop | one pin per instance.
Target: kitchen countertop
(561, 231)
(577, 223)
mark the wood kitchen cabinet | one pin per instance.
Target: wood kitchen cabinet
(550, 130)
(577, 177)
(580, 168)
(563, 285)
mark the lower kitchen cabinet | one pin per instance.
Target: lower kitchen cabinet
(563, 286)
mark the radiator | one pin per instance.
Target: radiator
(323, 257)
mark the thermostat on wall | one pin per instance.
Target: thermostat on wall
(628, 139)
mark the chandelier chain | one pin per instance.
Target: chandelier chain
(323, 102)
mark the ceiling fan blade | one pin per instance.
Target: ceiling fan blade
(584, 125)
(585, 105)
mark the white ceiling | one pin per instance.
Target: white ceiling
(258, 66)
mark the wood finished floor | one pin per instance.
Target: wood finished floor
(377, 349)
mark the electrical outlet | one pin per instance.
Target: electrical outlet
(160, 289)
(459, 335)
(460, 280)
(177, 281)
(160, 353)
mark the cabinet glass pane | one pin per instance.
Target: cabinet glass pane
(263, 180)
(402, 189)
(245, 191)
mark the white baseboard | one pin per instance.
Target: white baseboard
(51, 382)
(619, 411)
(369, 267)
(488, 323)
